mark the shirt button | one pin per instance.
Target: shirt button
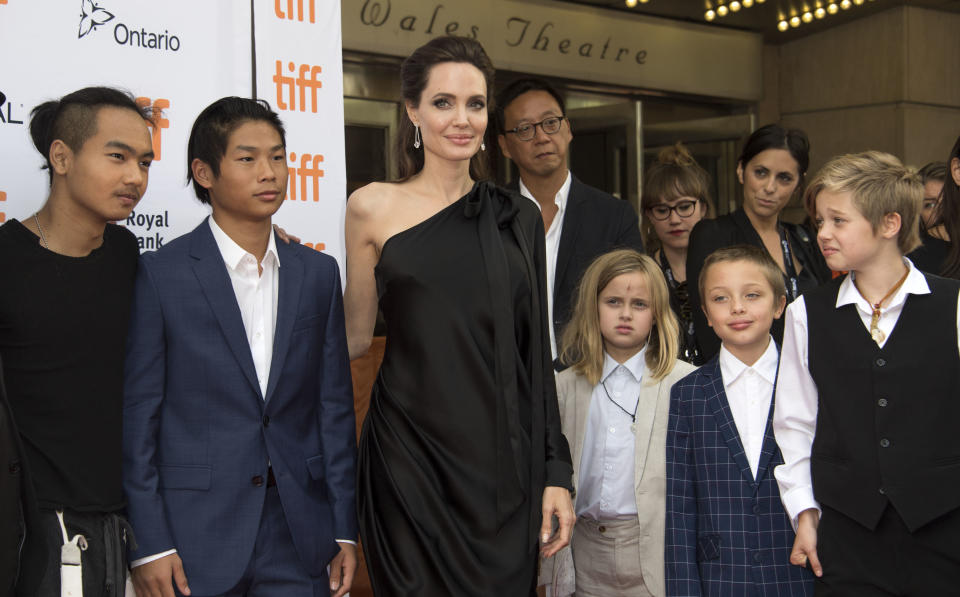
(266, 420)
(613, 430)
(883, 491)
(258, 334)
(257, 481)
(881, 362)
(884, 443)
(882, 402)
(608, 467)
(756, 508)
(758, 557)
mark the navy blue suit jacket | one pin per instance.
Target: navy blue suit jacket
(198, 434)
(727, 533)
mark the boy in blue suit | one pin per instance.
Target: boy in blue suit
(239, 433)
(726, 530)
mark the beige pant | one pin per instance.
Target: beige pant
(606, 556)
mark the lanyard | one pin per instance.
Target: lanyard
(793, 284)
(689, 346)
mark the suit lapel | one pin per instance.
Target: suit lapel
(769, 445)
(211, 273)
(569, 234)
(646, 414)
(717, 399)
(288, 303)
(584, 394)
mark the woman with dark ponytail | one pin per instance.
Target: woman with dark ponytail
(461, 449)
(771, 169)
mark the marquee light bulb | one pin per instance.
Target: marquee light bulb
(747, 3)
(807, 17)
(845, 4)
(832, 8)
(783, 25)
(820, 12)
(710, 15)
(631, 3)
(735, 6)
(794, 21)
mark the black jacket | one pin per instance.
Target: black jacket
(594, 223)
(735, 229)
(18, 505)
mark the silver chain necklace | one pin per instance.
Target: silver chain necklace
(43, 238)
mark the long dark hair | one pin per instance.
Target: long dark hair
(414, 74)
(950, 215)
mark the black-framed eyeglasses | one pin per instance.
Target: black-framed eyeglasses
(684, 209)
(528, 130)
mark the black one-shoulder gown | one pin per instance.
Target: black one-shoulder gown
(450, 477)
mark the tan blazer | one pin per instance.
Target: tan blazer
(573, 394)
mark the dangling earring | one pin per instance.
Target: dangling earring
(483, 146)
(416, 136)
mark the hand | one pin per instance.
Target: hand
(153, 578)
(285, 236)
(342, 568)
(805, 545)
(556, 502)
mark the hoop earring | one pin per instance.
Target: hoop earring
(416, 136)
(483, 146)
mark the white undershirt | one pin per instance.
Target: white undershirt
(553, 247)
(795, 412)
(749, 389)
(605, 487)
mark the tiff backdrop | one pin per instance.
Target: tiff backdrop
(179, 56)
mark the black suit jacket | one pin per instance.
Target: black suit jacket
(735, 229)
(20, 536)
(594, 223)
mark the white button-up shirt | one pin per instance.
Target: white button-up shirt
(553, 247)
(749, 389)
(605, 488)
(795, 412)
(256, 294)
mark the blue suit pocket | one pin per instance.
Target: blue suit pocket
(317, 472)
(708, 547)
(309, 322)
(184, 476)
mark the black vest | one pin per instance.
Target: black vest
(888, 422)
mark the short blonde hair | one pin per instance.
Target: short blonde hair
(879, 185)
(582, 344)
(749, 254)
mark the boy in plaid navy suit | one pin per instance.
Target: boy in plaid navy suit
(727, 533)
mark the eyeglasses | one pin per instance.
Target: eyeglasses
(684, 209)
(528, 130)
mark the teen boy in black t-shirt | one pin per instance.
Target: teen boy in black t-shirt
(67, 285)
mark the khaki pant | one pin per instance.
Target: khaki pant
(606, 556)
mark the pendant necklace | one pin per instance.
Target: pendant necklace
(632, 415)
(43, 238)
(875, 332)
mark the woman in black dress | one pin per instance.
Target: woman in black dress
(940, 254)
(676, 196)
(771, 168)
(461, 448)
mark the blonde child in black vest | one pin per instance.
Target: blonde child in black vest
(867, 398)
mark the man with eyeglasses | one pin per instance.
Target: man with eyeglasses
(581, 222)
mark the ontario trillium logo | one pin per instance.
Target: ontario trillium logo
(91, 17)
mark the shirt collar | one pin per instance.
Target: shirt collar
(731, 368)
(233, 253)
(915, 283)
(634, 365)
(560, 199)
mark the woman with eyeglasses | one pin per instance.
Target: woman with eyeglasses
(771, 168)
(675, 197)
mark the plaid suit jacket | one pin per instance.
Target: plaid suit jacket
(727, 533)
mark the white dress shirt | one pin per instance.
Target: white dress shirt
(553, 247)
(749, 389)
(795, 412)
(605, 489)
(256, 295)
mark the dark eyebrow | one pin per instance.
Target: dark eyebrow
(127, 148)
(253, 149)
